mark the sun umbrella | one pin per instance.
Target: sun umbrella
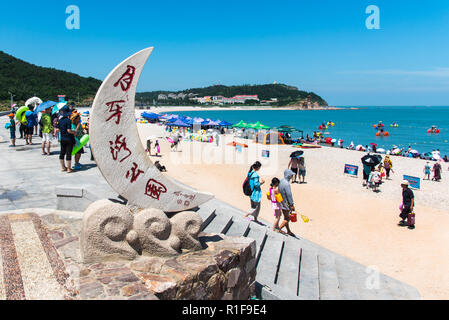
(359, 148)
(58, 107)
(297, 154)
(43, 106)
(371, 159)
(178, 123)
(373, 144)
(225, 124)
(35, 101)
(380, 150)
(414, 152)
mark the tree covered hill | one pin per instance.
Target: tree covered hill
(25, 80)
(285, 94)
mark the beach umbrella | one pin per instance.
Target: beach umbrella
(373, 144)
(360, 148)
(15, 104)
(58, 107)
(396, 151)
(43, 106)
(414, 152)
(380, 150)
(178, 123)
(225, 124)
(297, 154)
(35, 101)
(371, 159)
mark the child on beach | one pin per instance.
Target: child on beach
(275, 198)
(12, 130)
(158, 148)
(388, 165)
(427, 171)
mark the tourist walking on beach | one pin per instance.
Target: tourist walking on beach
(275, 199)
(157, 147)
(293, 166)
(436, 172)
(427, 171)
(408, 203)
(302, 170)
(366, 172)
(255, 182)
(287, 204)
(77, 128)
(149, 145)
(47, 130)
(67, 140)
(388, 165)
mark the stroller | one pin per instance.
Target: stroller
(374, 180)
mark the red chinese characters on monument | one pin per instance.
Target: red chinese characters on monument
(135, 173)
(126, 79)
(118, 146)
(115, 107)
(154, 189)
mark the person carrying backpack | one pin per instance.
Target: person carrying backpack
(254, 182)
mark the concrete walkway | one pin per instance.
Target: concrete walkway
(28, 179)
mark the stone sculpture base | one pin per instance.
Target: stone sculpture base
(225, 267)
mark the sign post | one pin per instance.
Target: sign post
(414, 182)
(351, 170)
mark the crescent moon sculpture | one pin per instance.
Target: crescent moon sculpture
(118, 151)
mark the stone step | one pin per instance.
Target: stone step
(309, 285)
(399, 290)
(288, 275)
(268, 264)
(349, 284)
(259, 234)
(220, 224)
(239, 228)
(328, 278)
(207, 214)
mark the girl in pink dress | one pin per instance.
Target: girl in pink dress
(274, 197)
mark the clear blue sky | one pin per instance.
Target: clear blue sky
(321, 46)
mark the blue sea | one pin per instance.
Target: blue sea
(356, 125)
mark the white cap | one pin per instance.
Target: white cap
(404, 183)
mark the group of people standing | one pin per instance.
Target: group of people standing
(64, 125)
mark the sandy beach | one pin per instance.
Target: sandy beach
(344, 216)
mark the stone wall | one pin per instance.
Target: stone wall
(224, 269)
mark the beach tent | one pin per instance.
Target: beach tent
(178, 123)
(269, 138)
(150, 116)
(241, 124)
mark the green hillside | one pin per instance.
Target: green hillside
(25, 80)
(286, 95)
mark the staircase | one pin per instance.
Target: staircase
(296, 269)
